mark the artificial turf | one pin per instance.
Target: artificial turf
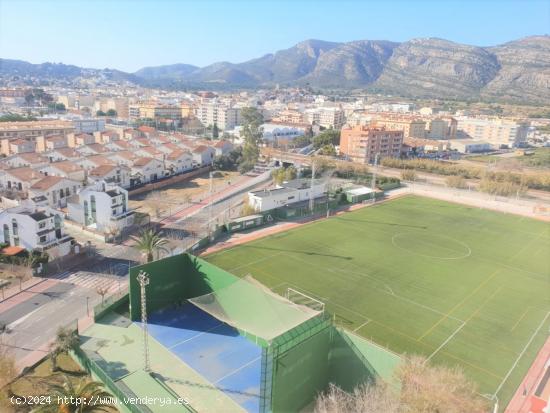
(458, 284)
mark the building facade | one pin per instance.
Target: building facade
(362, 144)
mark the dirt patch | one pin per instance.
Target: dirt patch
(163, 202)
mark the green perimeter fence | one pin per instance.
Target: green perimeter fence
(121, 392)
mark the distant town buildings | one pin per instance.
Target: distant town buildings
(500, 133)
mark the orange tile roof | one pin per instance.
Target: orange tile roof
(12, 250)
(143, 161)
(102, 170)
(47, 182)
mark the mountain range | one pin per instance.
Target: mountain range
(517, 71)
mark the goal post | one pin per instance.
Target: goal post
(297, 297)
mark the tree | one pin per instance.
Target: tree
(150, 242)
(328, 150)
(65, 340)
(63, 396)
(215, 131)
(424, 388)
(252, 133)
(102, 291)
(100, 113)
(327, 137)
(111, 113)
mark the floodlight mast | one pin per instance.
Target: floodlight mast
(143, 280)
(373, 183)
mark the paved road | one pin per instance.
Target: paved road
(34, 322)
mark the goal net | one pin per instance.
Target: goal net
(297, 297)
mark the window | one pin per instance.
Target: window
(43, 238)
(6, 234)
(42, 225)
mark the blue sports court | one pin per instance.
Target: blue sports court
(213, 349)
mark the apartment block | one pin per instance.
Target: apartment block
(325, 117)
(362, 143)
(500, 133)
(154, 111)
(225, 117)
(410, 126)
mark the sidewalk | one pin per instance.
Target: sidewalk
(28, 291)
(521, 402)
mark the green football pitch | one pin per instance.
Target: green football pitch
(458, 284)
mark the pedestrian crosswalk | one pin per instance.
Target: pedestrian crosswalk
(93, 281)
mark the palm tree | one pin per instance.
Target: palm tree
(148, 242)
(65, 340)
(92, 391)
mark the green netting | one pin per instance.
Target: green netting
(248, 306)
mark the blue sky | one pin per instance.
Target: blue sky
(130, 34)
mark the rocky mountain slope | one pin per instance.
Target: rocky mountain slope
(516, 71)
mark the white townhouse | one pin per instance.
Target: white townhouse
(30, 159)
(19, 179)
(93, 149)
(35, 228)
(203, 155)
(55, 189)
(66, 169)
(123, 157)
(116, 174)
(222, 147)
(101, 206)
(91, 162)
(179, 161)
(63, 154)
(146, 170)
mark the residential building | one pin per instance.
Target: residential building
(154, 111)
(80, 139)
(145, 170)
(203, 155)
(222, 115)
(55, 189)
(50, 143)
(31, 159)
(500, 133)
(411, 126)
(65, 169)
(19, 145)
(289, 116)
(32, 129)
(222, 147)
(102, 206)
(88, 125)
(19, 179)
(362, 144)
(298, 190)
(62, 154)
(115, 174)
(178, 161)
(325, 117)
(35, 229)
